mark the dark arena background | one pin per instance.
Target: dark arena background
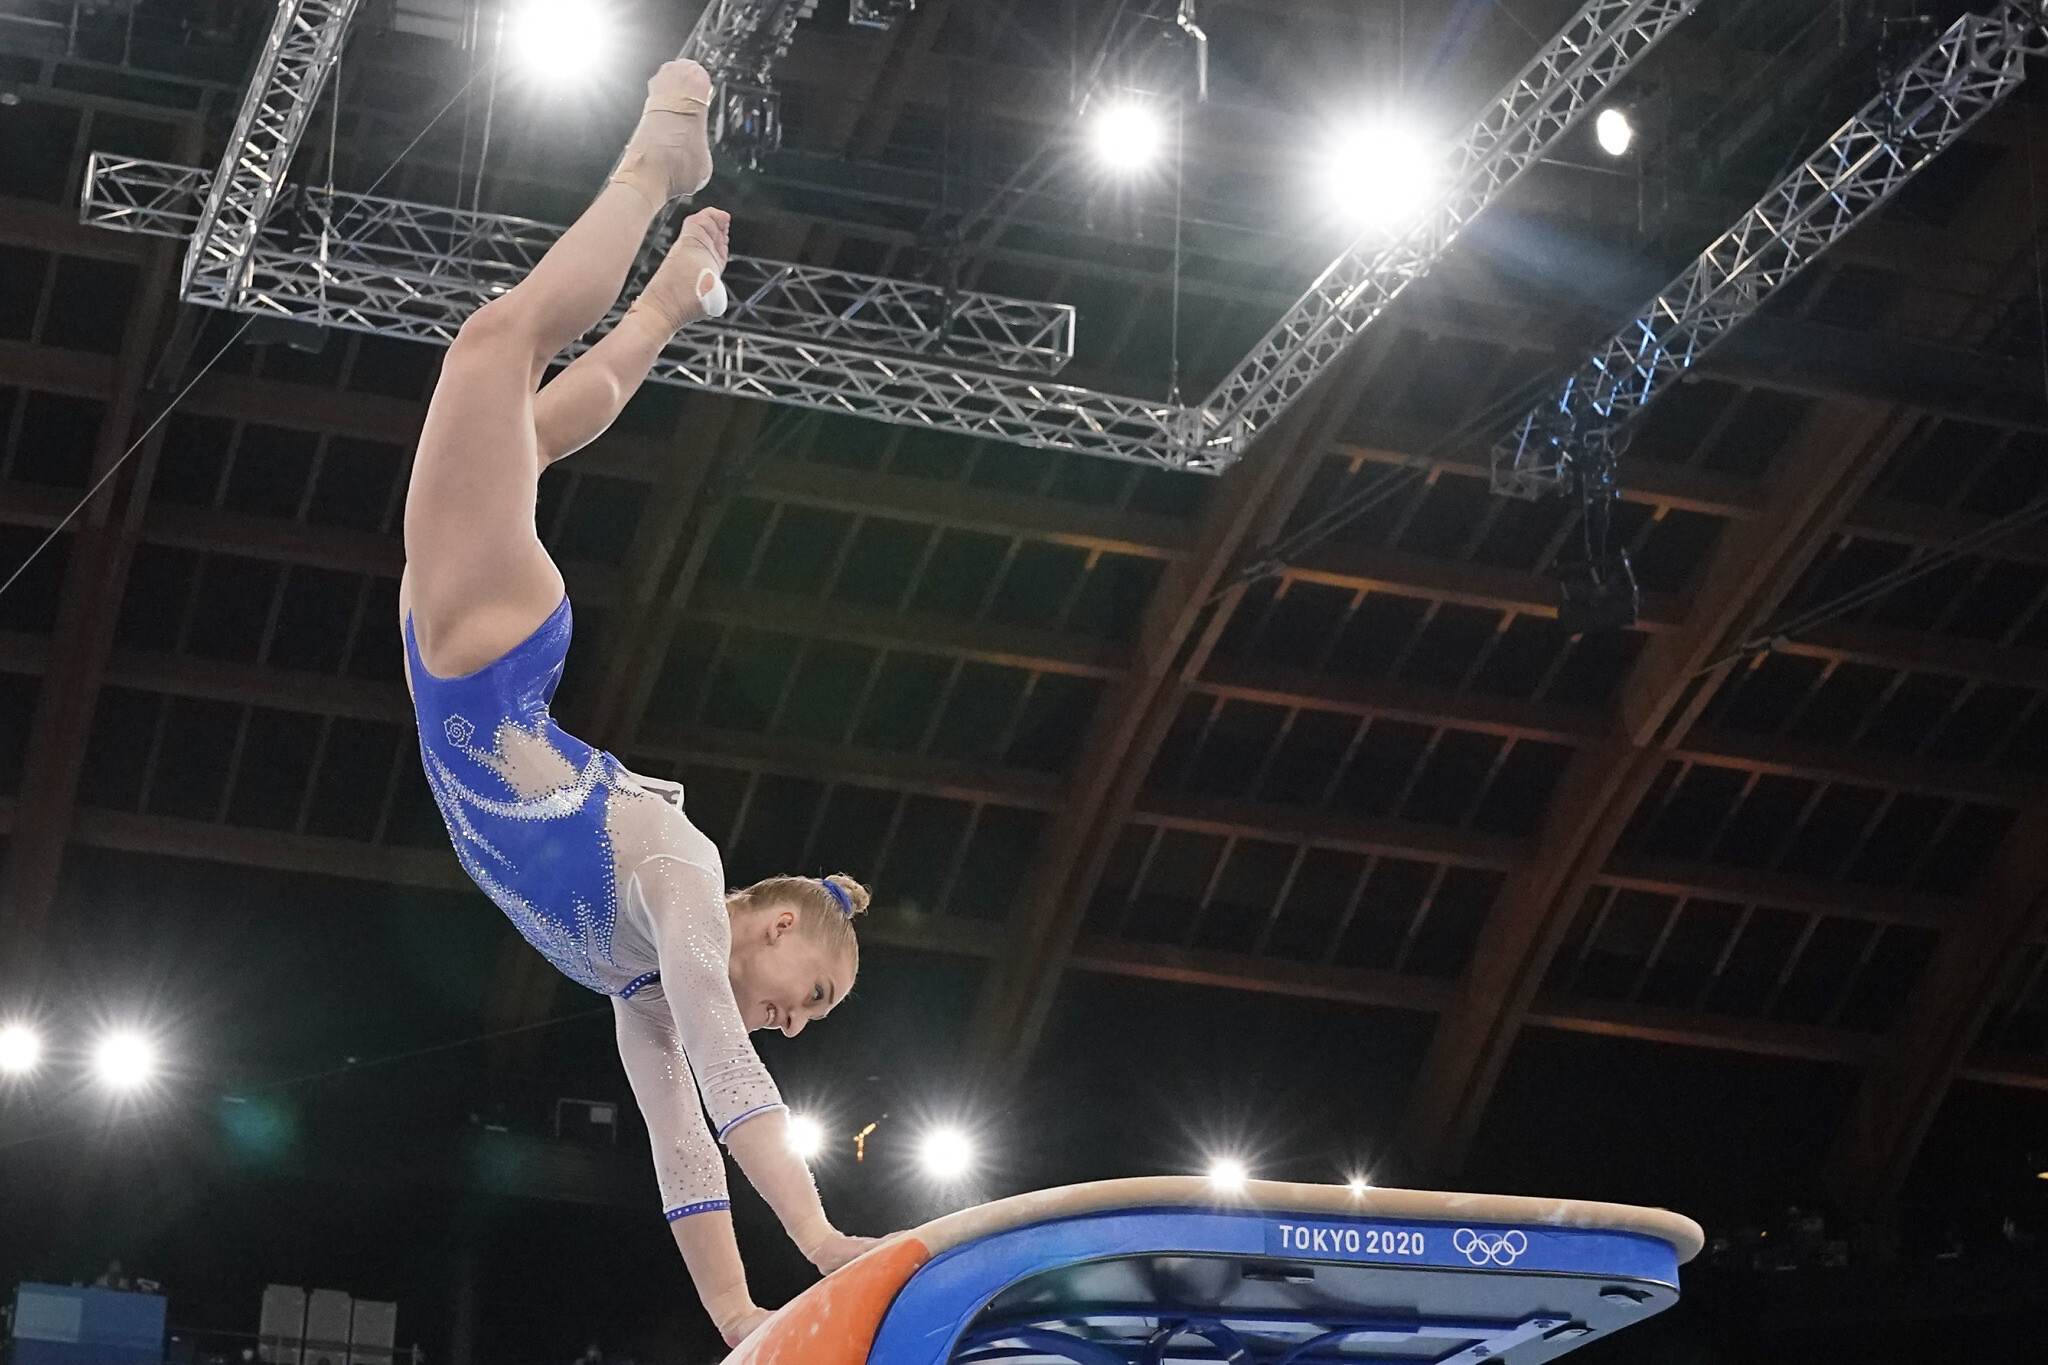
(1458, 777)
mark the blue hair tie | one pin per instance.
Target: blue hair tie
(834, 890)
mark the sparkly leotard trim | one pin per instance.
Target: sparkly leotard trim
(602, 872)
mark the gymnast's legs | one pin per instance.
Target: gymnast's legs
(477, 579)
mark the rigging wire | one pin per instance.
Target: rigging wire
(483, 153)
(1884, 584)
(1274, 557)
(1942, 555)
(115, 466)
(1180, 176)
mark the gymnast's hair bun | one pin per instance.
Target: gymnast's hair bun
(855, 896)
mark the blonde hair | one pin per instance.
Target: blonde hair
(817, 902)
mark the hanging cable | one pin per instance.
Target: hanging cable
(1941, 556)
(115, 467)
(385, 174)
(1180, 175)
(212, 360)
(2034, 240)
(483, 154)
(1274, 558)
(1884, 584)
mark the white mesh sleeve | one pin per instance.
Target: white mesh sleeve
(680, 905)
(687, 1163)
(684, 904)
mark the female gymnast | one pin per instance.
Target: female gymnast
(598, 868)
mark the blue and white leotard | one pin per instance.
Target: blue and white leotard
(600, 870)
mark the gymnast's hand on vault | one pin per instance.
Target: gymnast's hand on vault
(836, 1250)
(744, 1328)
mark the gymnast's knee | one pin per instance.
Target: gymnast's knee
(503, 331)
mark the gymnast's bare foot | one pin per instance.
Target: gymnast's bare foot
(687, 286)
(669, 154)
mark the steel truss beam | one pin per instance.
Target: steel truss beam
(417, 270)
(1545, 99)
(1826, 467)
(1578, 433)
(413, 271)
(737, 41)
(304, 43)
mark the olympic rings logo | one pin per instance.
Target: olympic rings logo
(1485, 1248)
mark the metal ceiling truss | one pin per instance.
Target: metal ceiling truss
(1542, 103)
(1575, 437)
(810, 338)
(417, 270)
(738, 43)
(304, 43)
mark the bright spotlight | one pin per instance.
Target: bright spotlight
(947, 1153)
(1380, 175)
(1127, 135)
(1228, 1173)
(806, 1136)
(20, 1049)
(1614, 131)
(1358, 1184)
(558, 40)
(125, 1060)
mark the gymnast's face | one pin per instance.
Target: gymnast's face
(783, 978)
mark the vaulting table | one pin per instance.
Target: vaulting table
(1173, 1270)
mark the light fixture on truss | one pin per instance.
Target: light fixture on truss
(1572, 440)
(739, 42)
(879, 14)
(748, 121)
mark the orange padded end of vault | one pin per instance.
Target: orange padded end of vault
(835, 1320)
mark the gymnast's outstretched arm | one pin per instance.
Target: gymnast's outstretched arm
(686, 1163)
(689, 1027)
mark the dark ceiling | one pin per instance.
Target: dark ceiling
(1366, 864)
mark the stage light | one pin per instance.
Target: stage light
(1380, 175)
(806, 1136)
(1127, 135)
(1228, 1173)
(125, 1060)
(20, 1049)
(558, 40)
(947, 1153)
(1614, 131)
(1358, 1184)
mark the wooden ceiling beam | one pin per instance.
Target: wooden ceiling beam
(435, 869)
(1249, 503)
(964, 507)
(1235, 819)
(1824, 469)
(1685, 1028)
(1836, 451)
(250, 685)
(1974, 966)
(153, 345)
(1048, 651)
(2014, 1071)
(1779, 890)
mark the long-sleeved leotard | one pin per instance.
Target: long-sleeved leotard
(682, 1037)
(601, 871)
